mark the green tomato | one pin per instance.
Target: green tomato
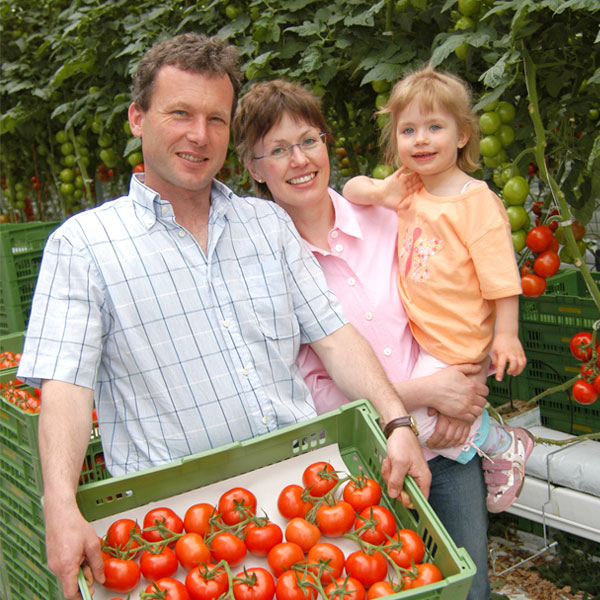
(515, 190)
(105, 140)
(67, 175)
(461, 51)
(66, 148)
(67, 189)
(593, 114)
(78, 182)
(489, 122)
(382, 120)
(491, 105)
(468, 7)
(127, 128)
(232, 11)
(69, 160)
(381, 100)
(503, 172)
(490, 146)
(61, 137)
(506, 111)
(506, 135)
(517, 216)
(495, 161)
(518, 238)
(382, 171)
(135, 158)
(464, 23)
(380, 86)
(108, 157)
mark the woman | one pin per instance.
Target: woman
(281, 136)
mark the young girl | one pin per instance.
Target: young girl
(458, 278)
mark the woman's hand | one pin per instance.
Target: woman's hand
(449, 432)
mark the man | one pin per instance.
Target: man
(180, 308)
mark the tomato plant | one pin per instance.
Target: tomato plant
(236, 504)
(283, 556)
(206, 582)
(160, 523)
(319, 478)
(254, 584)
(362, 492)
(334, 520)
(368, 568)
(584, 392)
(302, 532)
(292, 501)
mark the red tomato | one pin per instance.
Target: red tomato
(319, 478)
(546, 264)
(303, 533)
(206, 582)
(296, 585)
(236, 504)
(345, 588)
(139, 168)
(362, 492)
(375, 524)
(156, 565)
(156, 520)
(291, 502)
(197, 518)
(596, 383)
(228, 547)
(533, 285)
(120, 575)
(191, 550)
(119, 533)
(406, 548)
(335, 520)
(539, 238)
(380, 589)
(254, 584)
(581, 345)
(283, 556)
(260, 538)
(584, 392)
(326, 561)
(175, 590)
(367, 568)
(425, 574)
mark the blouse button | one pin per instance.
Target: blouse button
(351, 281)
(368, 316)
(387, 351)
(339, 247)
(334, 234)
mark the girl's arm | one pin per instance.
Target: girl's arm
(507, 347)
(387, 192)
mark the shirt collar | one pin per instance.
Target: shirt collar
(149, 205)
(345, 219)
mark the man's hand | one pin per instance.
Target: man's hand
(405, 457)
(70, 543)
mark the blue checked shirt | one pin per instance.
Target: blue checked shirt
(184, 352)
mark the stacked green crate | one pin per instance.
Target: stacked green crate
(25, 575)
(546, 326)
(21, 248)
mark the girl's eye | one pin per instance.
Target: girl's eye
(435, 127)
(408, 130)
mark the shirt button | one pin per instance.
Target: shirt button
(368, 316)
(339, 247)
(334, 234)
(181, 233)
(265, 420)
(351, 281)
(164, 210)
(225, 324)
(244, 371)
(387, 351)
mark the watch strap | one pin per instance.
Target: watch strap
(406, 421)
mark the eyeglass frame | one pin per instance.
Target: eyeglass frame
(287, 151)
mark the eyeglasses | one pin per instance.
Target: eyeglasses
(306, 145)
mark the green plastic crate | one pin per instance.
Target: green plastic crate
(502, 392)
(565, 303)
(12, 342)
(362, 446)
(21, 248)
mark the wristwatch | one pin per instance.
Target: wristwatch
(407, 421)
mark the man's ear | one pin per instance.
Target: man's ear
(136, 116)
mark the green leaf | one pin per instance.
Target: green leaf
(365, 18)
(133, 145)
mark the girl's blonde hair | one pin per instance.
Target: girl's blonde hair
(431, 89)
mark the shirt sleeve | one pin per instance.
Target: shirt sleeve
(64, 334)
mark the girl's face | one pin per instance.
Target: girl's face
(428, 142)
(299, 179)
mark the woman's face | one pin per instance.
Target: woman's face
(299, 179)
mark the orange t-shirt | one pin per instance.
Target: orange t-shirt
(456, 257)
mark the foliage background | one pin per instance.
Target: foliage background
(66, 67)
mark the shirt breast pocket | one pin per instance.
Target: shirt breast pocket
(271, 299)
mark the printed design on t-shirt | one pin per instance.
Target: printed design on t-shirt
(415, 254)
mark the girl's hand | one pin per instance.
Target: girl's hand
(399, 185)
(507, 349)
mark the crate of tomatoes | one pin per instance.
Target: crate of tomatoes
(21, 249)
(300, 513)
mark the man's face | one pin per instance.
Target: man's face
(185, 132)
